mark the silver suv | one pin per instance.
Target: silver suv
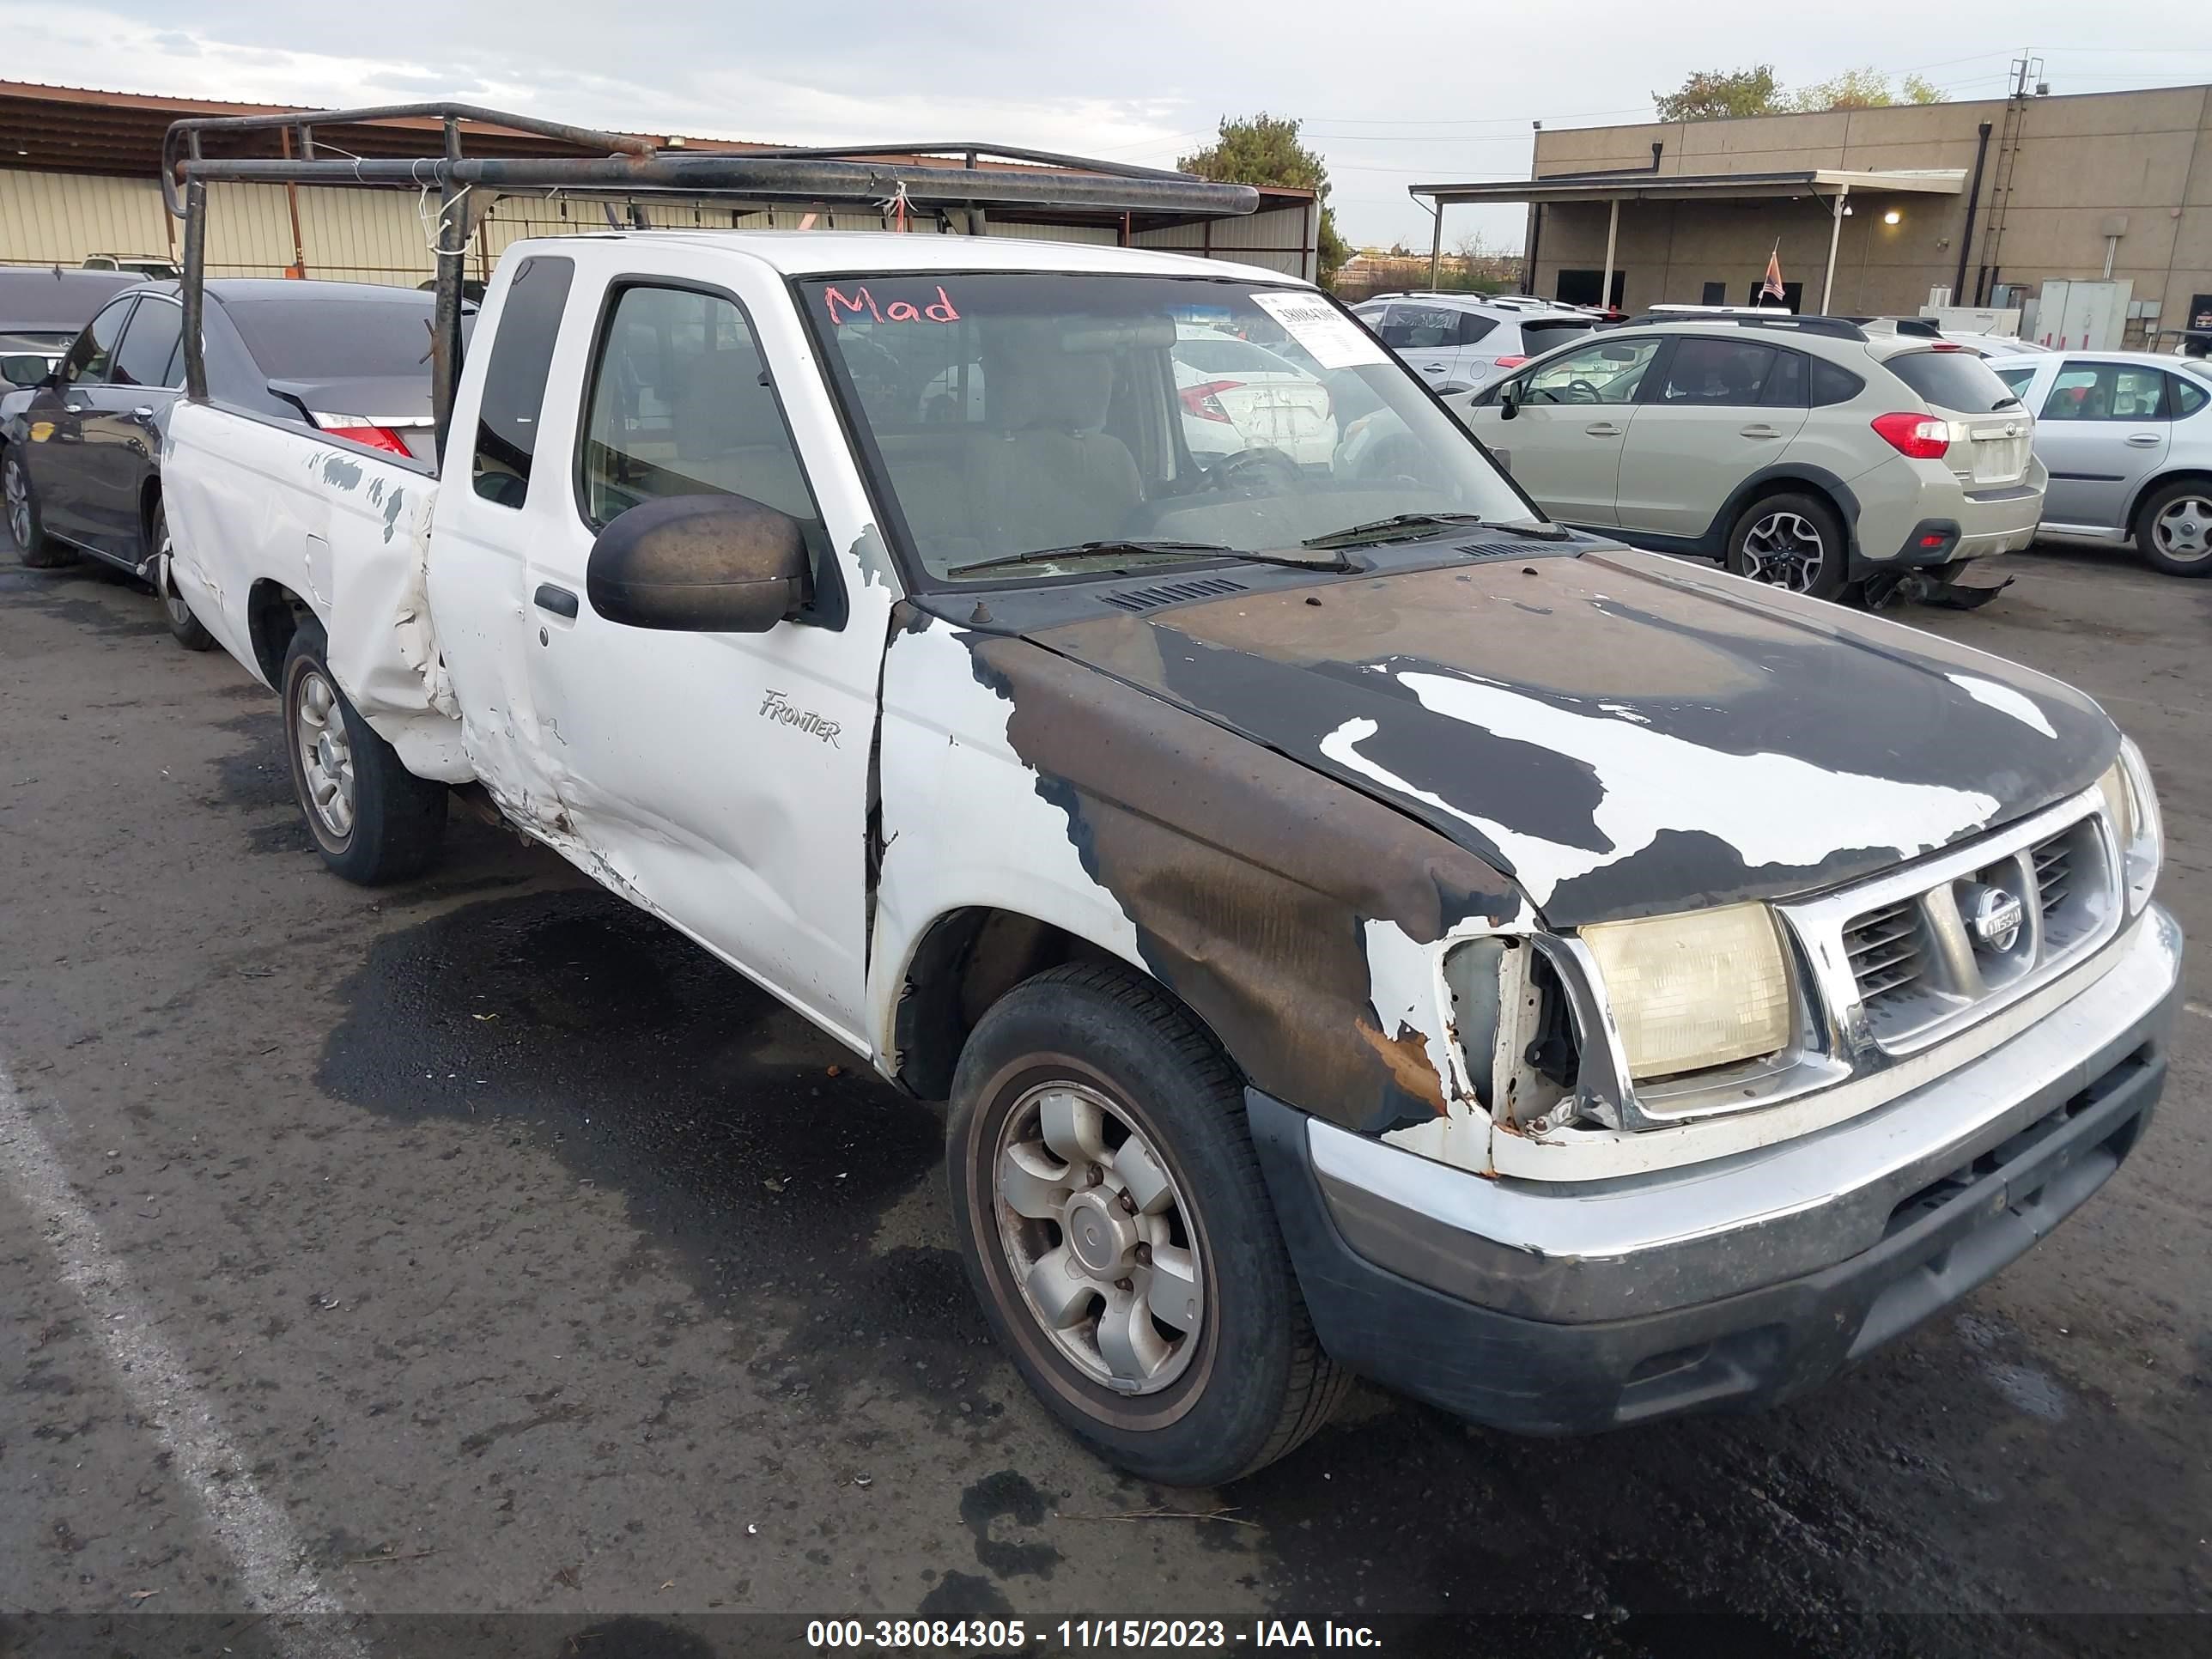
(1462, 341)
(2128, 438)
(1802, 451)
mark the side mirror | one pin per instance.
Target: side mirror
(25, 369)
(1507, 406)
(700, 564)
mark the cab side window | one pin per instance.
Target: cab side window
(2107, 391)
(94, 354)
(1608, 372)
(149, 356)
(681, 405)
(1729, 373)
(514, 379)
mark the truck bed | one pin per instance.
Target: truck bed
(262, 516)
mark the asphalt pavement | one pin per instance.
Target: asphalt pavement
(372, 1263)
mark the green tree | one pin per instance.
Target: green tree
(1864, 88)
(1711, 94)
(1264, 149)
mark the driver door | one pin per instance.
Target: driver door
(718, 778)
(1571, 415)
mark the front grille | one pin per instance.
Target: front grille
(2054, 870)
(1935, 954)
(1884, 949)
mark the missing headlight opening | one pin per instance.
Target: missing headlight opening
(1516, 1033)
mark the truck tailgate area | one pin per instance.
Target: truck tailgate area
(341, 529)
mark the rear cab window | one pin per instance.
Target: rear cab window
(1957, 382)
(514, 379)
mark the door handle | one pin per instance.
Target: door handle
(2143, 440)
(1433, 369)
(1759, 432)
(1602, 429)
(558, 600)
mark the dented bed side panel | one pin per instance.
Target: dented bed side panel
(344, 532)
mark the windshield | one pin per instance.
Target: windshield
(316, 336)
(1106, 420)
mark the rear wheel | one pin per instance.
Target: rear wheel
(1791, 541)
(33, 545)
(1113, 1217)
(372, 819)
(184, 626)
(2174, 530)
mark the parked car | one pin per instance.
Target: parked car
(80, 452)
(140, 267)
(1462, 342)
(42, 309)
(2128, 442)
(1802, 452)
(1238, 396)
(1359, 925)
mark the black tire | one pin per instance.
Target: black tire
(1783, 560)
(395, 820)
(1256, 1382)
(33, 545)
(184, 626)
(2173, 528)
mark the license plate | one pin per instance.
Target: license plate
(1999, 460)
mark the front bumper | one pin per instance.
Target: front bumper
(1554, 1308)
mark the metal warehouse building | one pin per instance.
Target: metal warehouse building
(1989, 199)
(79, 178)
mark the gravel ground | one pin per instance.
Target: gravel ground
(481, 1246)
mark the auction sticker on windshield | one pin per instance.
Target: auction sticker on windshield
(1334, 340)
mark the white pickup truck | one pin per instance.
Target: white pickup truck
(1359, 925)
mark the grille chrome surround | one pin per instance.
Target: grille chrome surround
(1991, 919)
(1871, 992)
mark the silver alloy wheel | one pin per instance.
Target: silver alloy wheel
(1785, 550)
(325, 758)
(2184, 530)
(1099, 1238)
(18, 485)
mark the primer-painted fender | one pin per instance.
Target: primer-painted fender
(345, 530)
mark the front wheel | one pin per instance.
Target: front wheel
(372, 819)
(184, 626)
(33, 545)
(2174, 530)
(1791, 541)
(1112, 1214)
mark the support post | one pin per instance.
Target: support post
(1612, 235)
(1436, 246)
(1835, 235)
(446, 312)
(194, 291)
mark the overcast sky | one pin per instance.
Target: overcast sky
(1414, 91)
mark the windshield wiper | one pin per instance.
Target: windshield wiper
(1151, 549)
(1398, 527)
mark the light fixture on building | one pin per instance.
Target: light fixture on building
(1892, 217)
(1849, 210)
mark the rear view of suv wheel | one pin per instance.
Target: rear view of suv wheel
(1793, 541)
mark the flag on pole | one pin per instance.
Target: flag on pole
(1772, 285)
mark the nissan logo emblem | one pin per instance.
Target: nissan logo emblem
(1992, 915)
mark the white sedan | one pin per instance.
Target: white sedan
(1238, 396)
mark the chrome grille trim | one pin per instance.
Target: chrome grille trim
(2060, 871)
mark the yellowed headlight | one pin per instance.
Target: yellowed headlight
(2119, 803)
(1697, 989)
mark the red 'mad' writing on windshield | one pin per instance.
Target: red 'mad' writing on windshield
(859, 300)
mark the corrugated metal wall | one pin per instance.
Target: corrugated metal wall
(385, 236)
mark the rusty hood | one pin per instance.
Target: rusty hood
(1623, 733)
